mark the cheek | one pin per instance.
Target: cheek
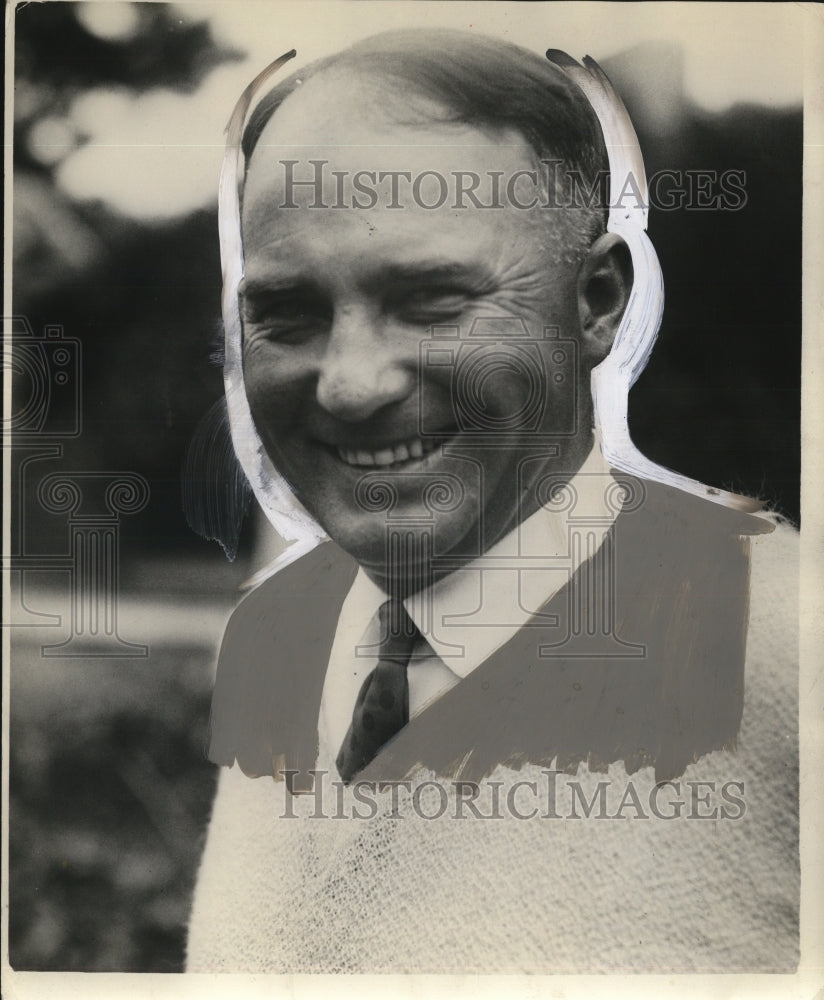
(274, 385)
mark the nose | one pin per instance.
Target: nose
(363, 369)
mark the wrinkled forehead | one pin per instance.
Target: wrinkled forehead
(346, 154)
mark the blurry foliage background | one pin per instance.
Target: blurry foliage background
(110, 791)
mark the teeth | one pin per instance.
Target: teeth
(389, 456)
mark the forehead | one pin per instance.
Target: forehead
(351, 123)
(354, 121)
(346, 106)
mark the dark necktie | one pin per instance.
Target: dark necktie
(382, 707)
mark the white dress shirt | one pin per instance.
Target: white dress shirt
(469, 614)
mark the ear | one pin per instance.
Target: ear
(604, 284)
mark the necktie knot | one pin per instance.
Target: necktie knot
(382, 706)
(397, 632)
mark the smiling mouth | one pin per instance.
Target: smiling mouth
(399, 454)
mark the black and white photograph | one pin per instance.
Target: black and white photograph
(412, 538)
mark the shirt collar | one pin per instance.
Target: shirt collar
(476, 609)
(465, 616)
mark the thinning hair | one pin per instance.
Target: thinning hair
(477, 81)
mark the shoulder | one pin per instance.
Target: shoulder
(272, 662)
(774, 584)
(299, 589)
(775, 561)
(772, 636)
(653, 503)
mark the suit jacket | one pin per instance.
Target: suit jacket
(639, 658)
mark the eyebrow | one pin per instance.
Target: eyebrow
(270, 285)
(427, 272)
(475, 274)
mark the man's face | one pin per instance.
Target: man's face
(339, 305)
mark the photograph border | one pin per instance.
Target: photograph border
(809, 980)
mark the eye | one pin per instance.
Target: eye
(287, 314)
(430, 304)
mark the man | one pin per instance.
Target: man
(502, 601)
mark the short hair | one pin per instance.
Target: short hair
(479, 81)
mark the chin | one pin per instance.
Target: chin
(399, 549)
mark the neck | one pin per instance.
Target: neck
(413, 569)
